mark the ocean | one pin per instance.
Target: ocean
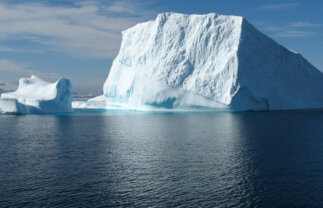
(137, 159)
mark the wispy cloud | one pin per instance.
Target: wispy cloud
(293, 30)
(279, 6)
(13, 71)
(305, 24)
(15, 50)
(273, 28)
(22, 69)
(87, 29)
(7, 86)
(10, 66)
(294, 34)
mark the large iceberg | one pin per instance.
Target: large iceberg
(208, 61)
(37, 96)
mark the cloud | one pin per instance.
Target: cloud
(279, 6)
(9, 66)
(273, 28)
(15, 50)
(7, 86)
(293, 30)
(305, 24)
(86, 29)
(21, 69)
(13, 71)
(294, 34)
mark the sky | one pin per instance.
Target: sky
(79, 39)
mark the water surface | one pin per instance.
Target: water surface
(131, 159)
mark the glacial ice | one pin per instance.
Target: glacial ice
(35, 96)
(98, 102)
(208, 61)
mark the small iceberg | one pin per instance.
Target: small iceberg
(36, 96)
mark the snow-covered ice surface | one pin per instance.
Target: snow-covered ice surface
(206, 62)
(35, 96)
(98, 102)
(100, 98)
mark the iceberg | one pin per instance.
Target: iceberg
(211, 61)
(98, 102)
(35, 96)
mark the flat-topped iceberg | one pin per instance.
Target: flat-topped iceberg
(35, 96)
(208, 61)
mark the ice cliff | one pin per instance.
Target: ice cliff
(209, 61)
(37, 96)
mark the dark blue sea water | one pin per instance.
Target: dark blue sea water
(131, 159)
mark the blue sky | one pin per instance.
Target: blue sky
(79, 39)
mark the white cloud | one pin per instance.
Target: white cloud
(15, 50)
(279, 6)
(85, 30)
(294, 34)
(273, 28)
(14, 69)
(305, 24)
(293, 30)
(10, 66)
(7, 86)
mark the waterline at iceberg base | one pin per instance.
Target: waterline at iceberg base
(207, 62)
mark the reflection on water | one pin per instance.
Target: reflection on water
(162, 160)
